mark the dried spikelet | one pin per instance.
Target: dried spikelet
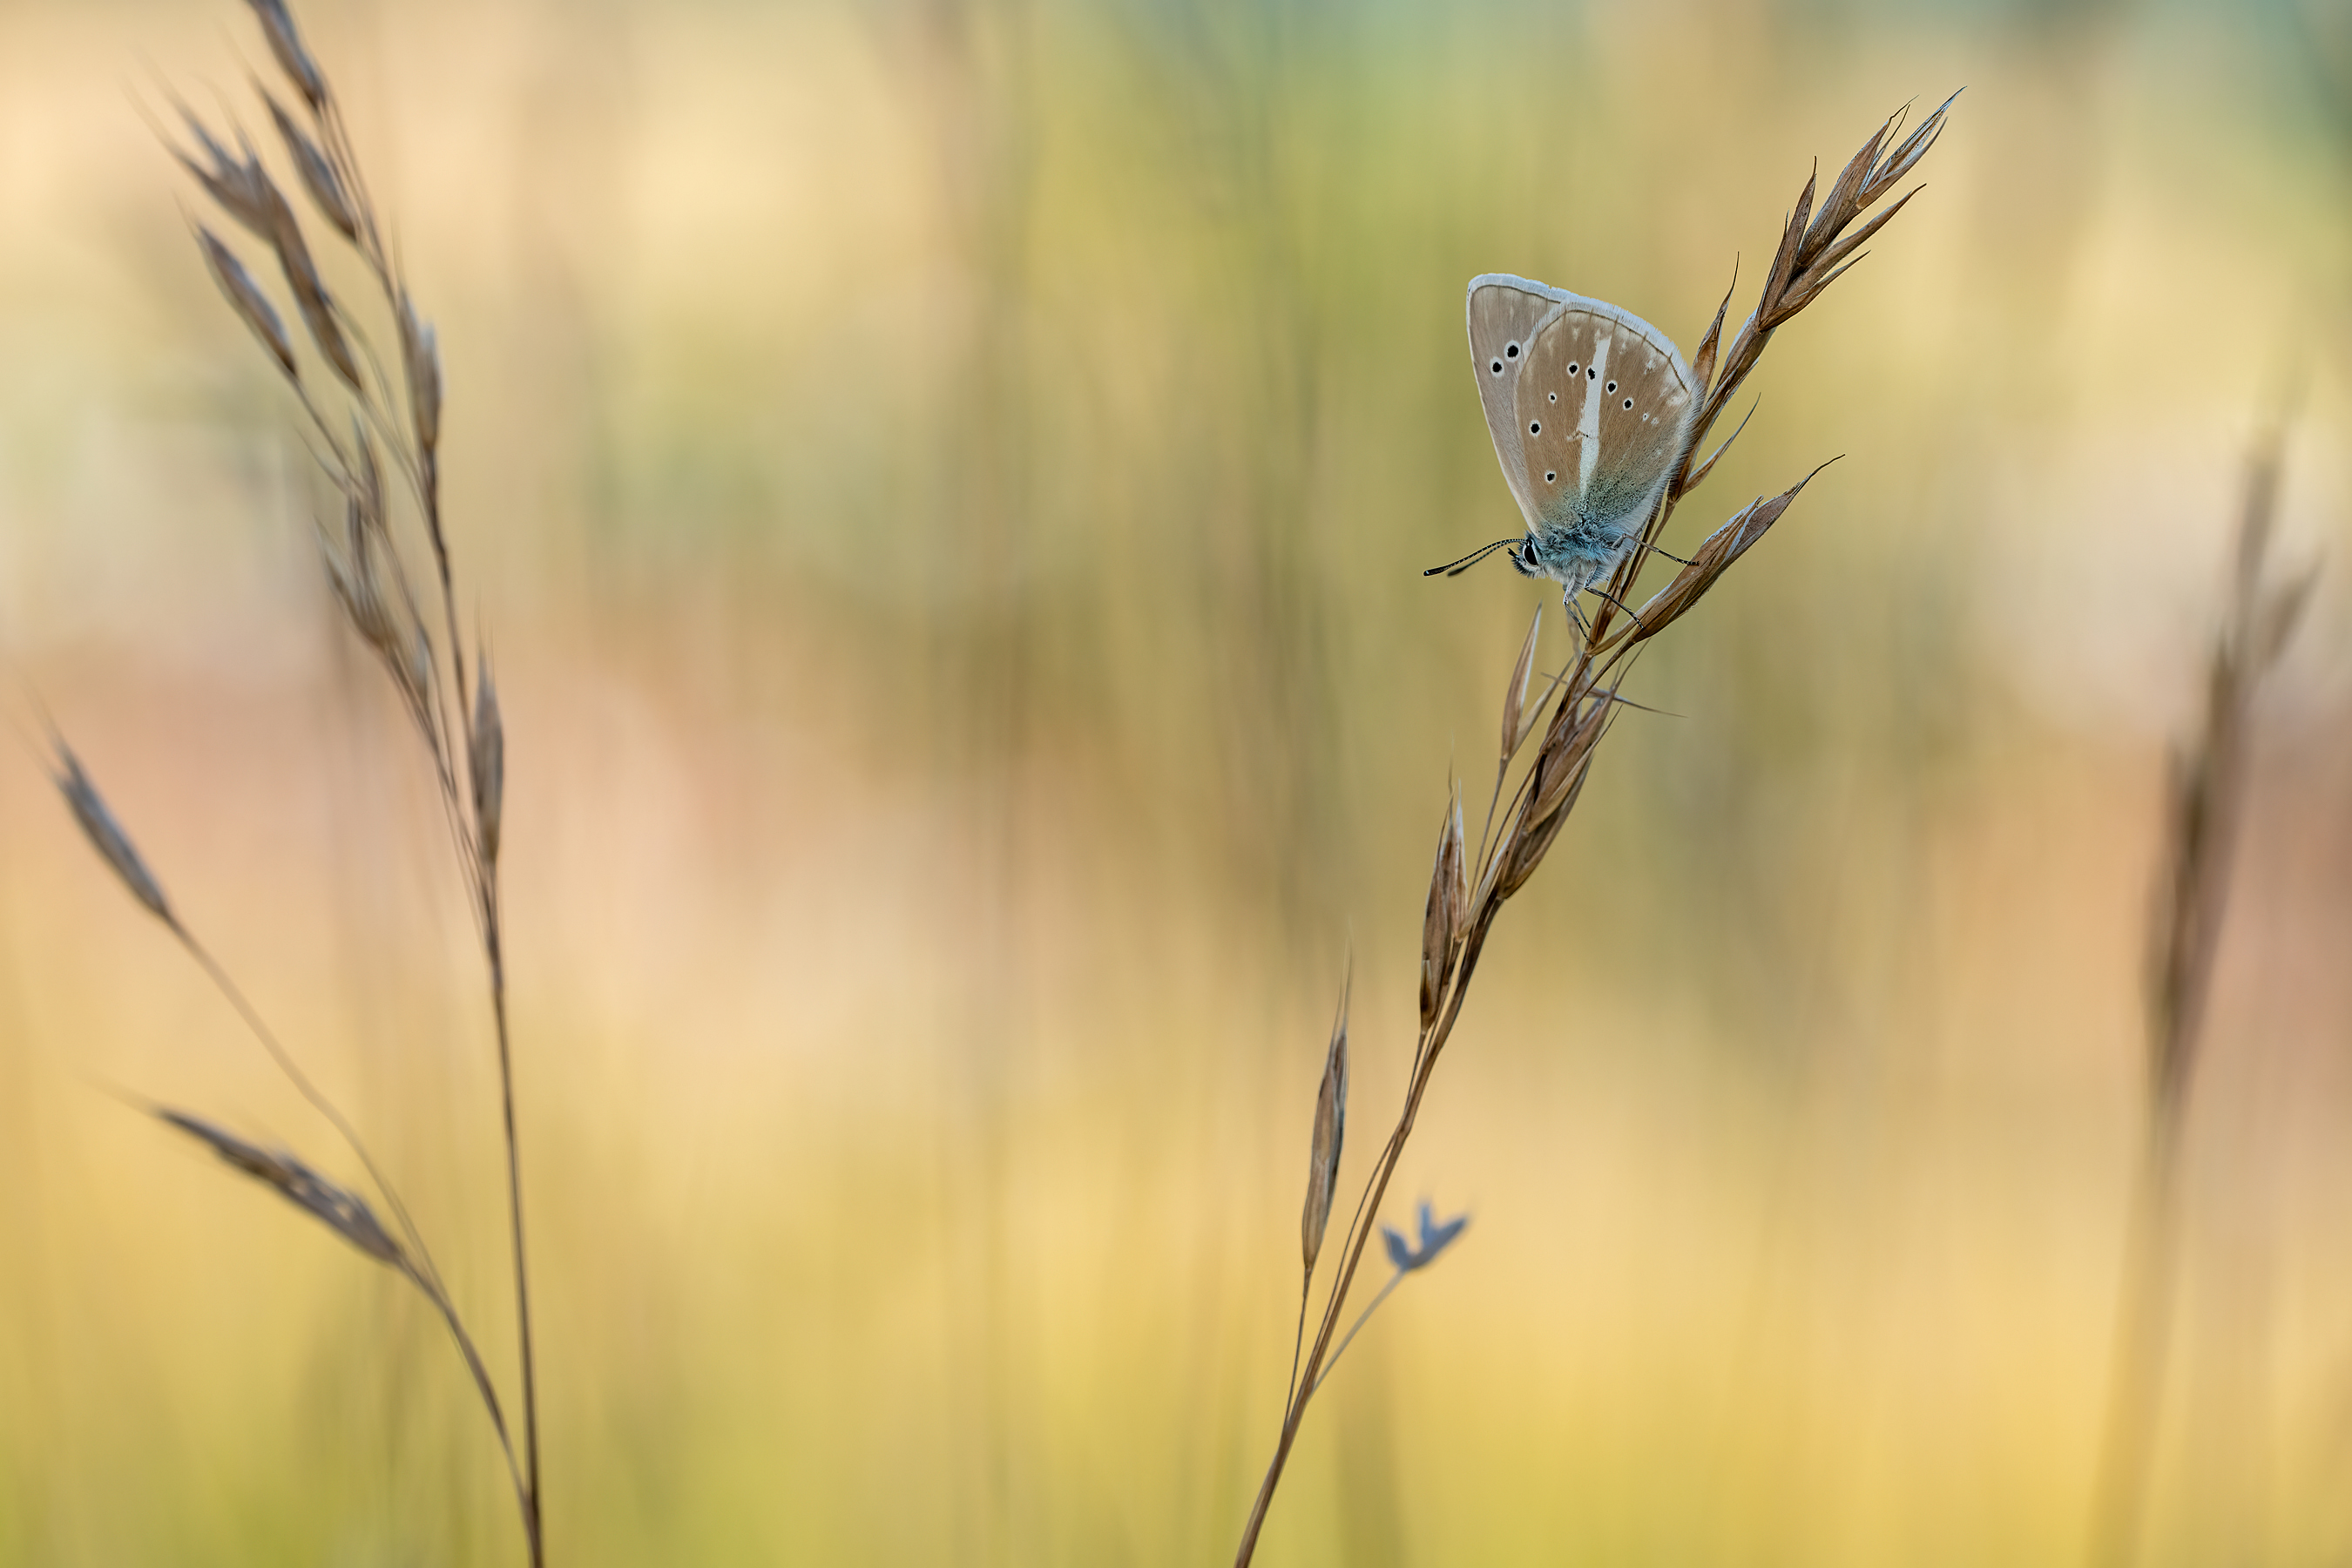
(286, 43)
(106, 835)
(1565, 752)
(1561, 768)
(2207, 783)
(237, 183)
(417, 673)
(421, 354)
(245, 298)
(1792, 238)
(354, 584)
(490, 762)
(310, 296)
(1710, 561)
(1437, 924)
(1330, 1133)
(1914, 146)
(319, 176)
(1514, 692)
(2280, 615)
(222, 161)
(341, 1210)
(1703, 361)
(368, 580)
(1815, 251)
(1528, 849)
(1693, 478)
(357, 577)
(1449, 903)
(1457, 885)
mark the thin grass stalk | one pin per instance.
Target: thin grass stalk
(2205, 809)
(1360, 1232)
(533, 1516)
(2135, 1381)
(468, 760)
(408, 1253)
(310, 1092)
(1585, 700)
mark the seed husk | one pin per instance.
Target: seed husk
(1330, 1133)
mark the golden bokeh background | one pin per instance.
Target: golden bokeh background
(945, 482)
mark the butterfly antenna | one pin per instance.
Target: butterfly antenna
(1453, 568)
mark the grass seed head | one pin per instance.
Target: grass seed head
(339, 1208)
(2207, 794)
(286, 43)
(357, 577)
(1815, 251)
(1330, 1133)
(310, 296)
(367, 579)
(106, 835)
(1712, 558)
(1703, 361)
(421, 353)
(490, 762)
(319, 176)
(245, 298)
(1437, 925)
(237, 182)
(1514, 694)
(1560, 770)
(1457, 883)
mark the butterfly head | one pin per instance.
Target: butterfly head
(1523, 558)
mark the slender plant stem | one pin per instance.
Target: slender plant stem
(494, 948)
(1362, 1318)
(481, 1374)
(310, 1092)
(1297, 1339)
(2143, 1341)
(1359, 1231)
(423, 1272)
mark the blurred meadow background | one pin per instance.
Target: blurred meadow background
(945, 484)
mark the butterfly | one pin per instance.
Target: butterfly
(1590, 408)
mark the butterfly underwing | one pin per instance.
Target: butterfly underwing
(1589, 407)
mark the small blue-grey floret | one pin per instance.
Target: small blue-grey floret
(1435, 1238)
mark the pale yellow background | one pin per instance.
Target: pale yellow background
(946, 487)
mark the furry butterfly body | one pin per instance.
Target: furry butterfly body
(1589, 407)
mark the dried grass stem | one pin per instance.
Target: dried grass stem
(1584, 700)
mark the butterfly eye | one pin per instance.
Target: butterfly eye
(1511, 351)
(1612, 386)
(1496, 367)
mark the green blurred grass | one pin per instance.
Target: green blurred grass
(947, 486)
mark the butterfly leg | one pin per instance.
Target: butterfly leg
(1575, 614)
(1623, 606)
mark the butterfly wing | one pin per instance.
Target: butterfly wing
(1505, 313)
(1602, 410)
